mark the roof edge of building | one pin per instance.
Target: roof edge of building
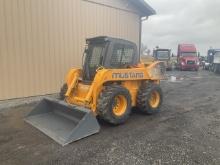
(145, 8)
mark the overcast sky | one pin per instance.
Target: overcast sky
(183, 21)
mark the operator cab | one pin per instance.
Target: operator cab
(110, 53)
(162, 54)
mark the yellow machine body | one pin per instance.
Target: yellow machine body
(112, 81)
(86, 95)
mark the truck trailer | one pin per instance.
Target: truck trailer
(213, 58)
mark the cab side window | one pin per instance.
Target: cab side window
(96, 56)
(122, 55)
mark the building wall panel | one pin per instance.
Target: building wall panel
(41, 39)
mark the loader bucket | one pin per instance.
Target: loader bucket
(62, 122)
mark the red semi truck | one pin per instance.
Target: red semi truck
(187, 58)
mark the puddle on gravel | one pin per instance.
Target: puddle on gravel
(172, 78)
(197, 77)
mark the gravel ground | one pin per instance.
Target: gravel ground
(186, 131)
(6, 104)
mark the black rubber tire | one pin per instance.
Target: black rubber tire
(105, 104)
(63, 91)
(143, 97)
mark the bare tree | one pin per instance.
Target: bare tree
(143, 48)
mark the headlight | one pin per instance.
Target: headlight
(198, 63)
(183, 63)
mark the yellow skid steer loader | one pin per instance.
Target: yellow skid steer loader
(111, 82)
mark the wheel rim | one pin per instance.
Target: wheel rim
(120, 105)
(154, 99)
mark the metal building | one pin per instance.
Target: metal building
(41, 39)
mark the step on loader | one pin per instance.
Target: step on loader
(111, 82)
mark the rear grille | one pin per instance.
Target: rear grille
(191, 62)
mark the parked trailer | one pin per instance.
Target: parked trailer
(213, 57)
